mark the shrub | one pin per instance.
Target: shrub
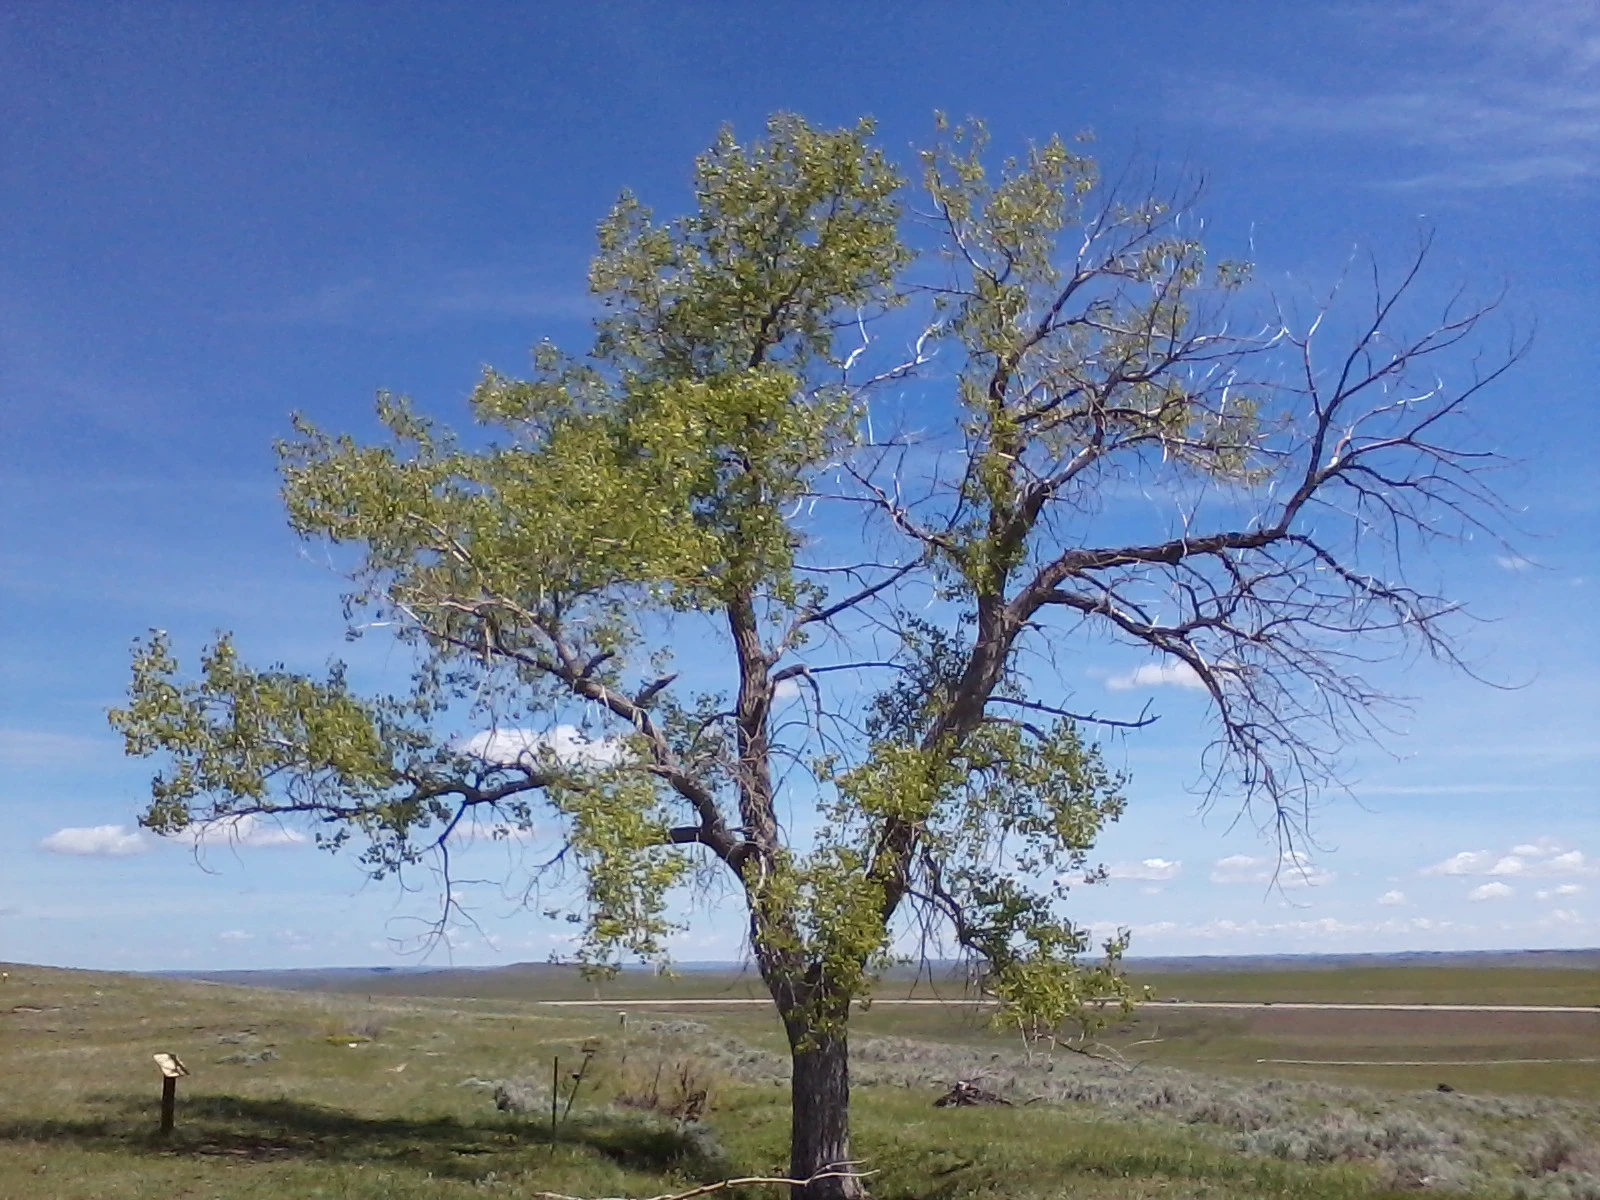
(683, 1090)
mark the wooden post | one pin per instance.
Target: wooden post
(555, 1097)
(169, 1102)
(172, 1070)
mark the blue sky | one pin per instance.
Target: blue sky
(213, 215)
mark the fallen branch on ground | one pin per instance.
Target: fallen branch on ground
(838, 1171)
(964, 1094)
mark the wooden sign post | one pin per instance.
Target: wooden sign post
(172, 1070)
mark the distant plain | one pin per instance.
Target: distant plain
(1234, 1042)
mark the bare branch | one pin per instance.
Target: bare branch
(1145, 717)
(836, 1171)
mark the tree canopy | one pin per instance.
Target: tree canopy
(854, 447)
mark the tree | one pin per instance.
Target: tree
(884, 554)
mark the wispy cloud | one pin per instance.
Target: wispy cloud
(1542, 753)
(1566, 889)
(1317, 928)
(1491, 891)
(1292, 870)
(1152, 675)
(245, 830)
(1503, 96)
(1392, 899)
(494, 831)
(1467, 789)
(368, 302)
(1147, 869)
(96, 841)
(29, 748)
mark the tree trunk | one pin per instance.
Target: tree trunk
(819, 1135)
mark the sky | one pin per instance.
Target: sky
(212, 216)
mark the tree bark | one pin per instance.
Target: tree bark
(819, 1135)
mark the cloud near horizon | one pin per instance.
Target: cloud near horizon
(1321, 928)
(1543, 859)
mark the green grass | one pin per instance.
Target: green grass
(408, 1110)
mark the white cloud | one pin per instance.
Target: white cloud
(1571, 863)
(247, 829)
(1297, 871)
(1491, 891)
(568, 743)
(1514, 562)
(96, 841)
(1320, 927)
(1467, 862)
(1566, 889)
(1543, 859)
(1309, 933)
(235, 935)
(1292, 870)
(1172, 673)
(1392, 898)
(1537, 849)
(1149, 868)
(785, 690)
(1237, 868)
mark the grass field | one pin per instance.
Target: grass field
(1393, 985)
(1225, 1042)
(337, 1095)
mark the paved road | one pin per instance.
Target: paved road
(1170, 1004)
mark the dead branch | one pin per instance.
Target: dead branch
(837, 1171)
